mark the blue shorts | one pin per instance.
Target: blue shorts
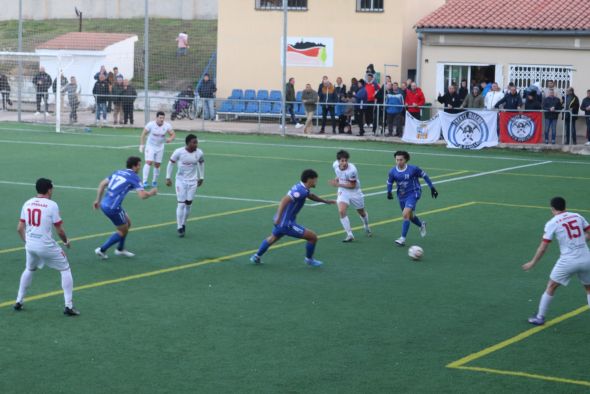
(117, 216)
(292, 230)
(409, 201)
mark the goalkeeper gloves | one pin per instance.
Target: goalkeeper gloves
(389, 196)
(434, 192)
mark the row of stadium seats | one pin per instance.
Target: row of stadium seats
(251, 102)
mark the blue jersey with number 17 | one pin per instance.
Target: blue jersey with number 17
(298, 194)
(408, 180)
(120, 183)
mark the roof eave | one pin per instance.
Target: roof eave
(447, 30)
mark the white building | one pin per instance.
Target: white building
(82, 54)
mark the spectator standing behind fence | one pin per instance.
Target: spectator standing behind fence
(207, 91)
(371, 88)
(572, 104)
(394, 100)
(463, 90)
(72, 90)
(340, 89)
(451, 100)
(551, 105)
(117, 74)
(182, 44)
(531, 102)
(63, 82)
(354, 86)
(327, 98)
(309, 98)
(101, 93)
(5, 91)
(361, 104)
(414, 100)
(345, 118)
(379, 115)
(290, 100)
(493, 96)
(117, 94)
(102, 71)
(42, 82)
(111, 83)
(129, 95)
(585, 106)
(473, 99)
(511, 100)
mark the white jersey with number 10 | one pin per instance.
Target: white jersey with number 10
(40, 215)
(569, 229)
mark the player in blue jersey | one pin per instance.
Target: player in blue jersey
(407, 177)
(117, 185)
(284, 220)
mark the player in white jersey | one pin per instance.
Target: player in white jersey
(349, 193)
(190, 176)
(38, 216)
(156, 132)
(572, 232)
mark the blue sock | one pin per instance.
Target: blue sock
(122, 243)
(417, 221)
(115, 237)
(309, 249)
(405, 228)
(263, 248)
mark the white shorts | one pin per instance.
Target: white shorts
(53, 256)
(354, 198)
(564, 270)
(153, 153)
(185, 191)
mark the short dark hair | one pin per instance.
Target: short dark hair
(43, 185)
(403, 153)
(558, 203)
(342, 154)
(132, 161)
(189, 138)
(308, 174)
(160, 113)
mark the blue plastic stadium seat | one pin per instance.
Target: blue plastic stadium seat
(262, 95)
(239, 106)
(276, 108)
(266, 107)
(298, 96)
(236, 94)
(252, 107)
(249, 94)
(226, 106)
(299, 109)
(275, 95)
(339, 109)
(318, 110)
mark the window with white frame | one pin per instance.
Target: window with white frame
(524, 75)
(369, 5)
(297, 5)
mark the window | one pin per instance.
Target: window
(297, 5)
(369, 5)
(524, 75)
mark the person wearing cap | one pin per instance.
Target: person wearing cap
(118, 100)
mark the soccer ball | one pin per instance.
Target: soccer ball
(415, 252)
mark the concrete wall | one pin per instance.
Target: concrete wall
(249, 41)
(505, 56)
(116, 9)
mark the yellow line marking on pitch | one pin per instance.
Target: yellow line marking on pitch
(527, 375)
(218, 259)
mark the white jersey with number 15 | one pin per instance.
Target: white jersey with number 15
(569, 229)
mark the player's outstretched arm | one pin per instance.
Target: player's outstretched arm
(99, 193)
(172, 135)
(142, 140)
(145, 195)
(316, 198)
(538, 254)
(20, 229)
(169, 169)
(62, 234)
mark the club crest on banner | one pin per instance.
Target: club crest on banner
(521, 128)
(468, 131)
(422, 131)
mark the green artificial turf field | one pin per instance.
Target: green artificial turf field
(194, 315)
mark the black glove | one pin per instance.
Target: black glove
(389, 196)
(433, 193)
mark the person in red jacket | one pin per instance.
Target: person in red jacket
(414, 100)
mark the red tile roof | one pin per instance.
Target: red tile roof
(84, 41)
(510, 15)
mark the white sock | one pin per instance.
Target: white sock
(146, 172)
(180, 208)
(588, 295)
(187, 211)
(346, 224)
(365, 219)
(156, 174)
(544, 304)
(25, 281)
(67, 283)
